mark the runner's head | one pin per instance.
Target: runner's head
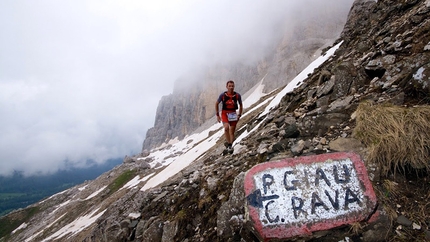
(230, 86)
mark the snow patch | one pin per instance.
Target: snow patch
(82, 188)
(134, 215)
(76, 226)
(41, 231)
(135, 181)
(95, 193)
(22, 226)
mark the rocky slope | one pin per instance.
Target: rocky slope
(192, 101)
(383, 58)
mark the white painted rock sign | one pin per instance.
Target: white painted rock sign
(298, 196)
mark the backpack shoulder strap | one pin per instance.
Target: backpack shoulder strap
(223, 96)
(234, 97)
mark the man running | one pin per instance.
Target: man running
(229, 117)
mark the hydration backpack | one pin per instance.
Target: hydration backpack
(230, 102)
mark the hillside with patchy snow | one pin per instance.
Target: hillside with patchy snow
(159, 165)
(185, 190)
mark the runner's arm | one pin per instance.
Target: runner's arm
(240, 106)
(217, 108)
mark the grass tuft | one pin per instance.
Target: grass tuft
(356, 228)
(398, 138)
(391, 188)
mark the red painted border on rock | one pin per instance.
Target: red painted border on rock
(279, 232)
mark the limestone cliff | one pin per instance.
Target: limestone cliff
(186, 109)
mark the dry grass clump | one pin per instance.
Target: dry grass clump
(397, 137)
(356, 228)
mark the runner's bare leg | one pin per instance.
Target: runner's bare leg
(231, 130)
(227, 132)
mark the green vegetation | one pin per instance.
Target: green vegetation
(121, 180)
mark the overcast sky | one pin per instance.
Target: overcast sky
(81, 79)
